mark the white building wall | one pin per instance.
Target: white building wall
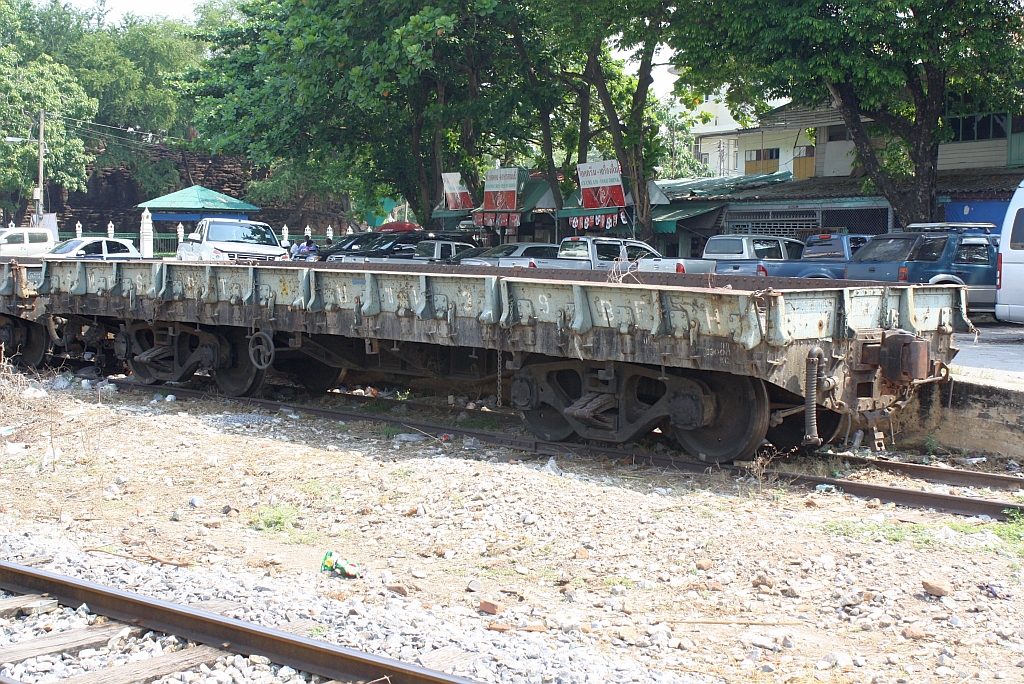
(784, 140)
(979, 154)
(722, 155)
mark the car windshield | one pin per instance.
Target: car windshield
(724, 246)
(885, 249)
(929, 249)
(831, 248)
(359, 241)
(574, 249)
(500, 251)
(67, 247)
(469, 254)
(380, 241)
(249, 233)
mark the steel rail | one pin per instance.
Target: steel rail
(218, 631)
(951, 476)
(948, 503)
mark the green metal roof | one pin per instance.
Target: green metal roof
(682, 210)
(198, 197)
(664, 217)
(533, 192)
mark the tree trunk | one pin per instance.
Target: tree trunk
(437, 151)
(468, 134)
(419, 200)
(916, 200)
(628, 138)
(583, 146)
(544, 112)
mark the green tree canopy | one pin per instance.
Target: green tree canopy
(888, 68)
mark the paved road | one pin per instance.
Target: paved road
(996, 358)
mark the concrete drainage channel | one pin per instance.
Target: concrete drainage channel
(960, 505)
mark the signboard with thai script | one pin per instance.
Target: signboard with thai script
(456, 194)
(601, 185)
(501, 187)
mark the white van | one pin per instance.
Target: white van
(25, 242)
(1010, 269)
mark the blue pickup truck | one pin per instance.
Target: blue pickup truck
(937, 254)
(823, 256)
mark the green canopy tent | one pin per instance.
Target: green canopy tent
(195, 204)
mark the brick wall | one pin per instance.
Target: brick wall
(112, 196)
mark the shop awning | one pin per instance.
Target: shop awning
(665, 217)
(569, 212)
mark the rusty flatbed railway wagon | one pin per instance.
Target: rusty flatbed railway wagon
(722, 362)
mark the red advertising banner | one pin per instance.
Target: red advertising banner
(456, 194)
(601, 185)
(478, 219)
(501, 187)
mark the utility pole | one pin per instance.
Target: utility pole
(39, 200)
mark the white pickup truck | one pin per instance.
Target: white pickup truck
(222, 239)
(598, 253)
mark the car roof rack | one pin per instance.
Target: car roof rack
(986, 228)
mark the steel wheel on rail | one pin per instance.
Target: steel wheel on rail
(546, 421)
(136, 341)
(240, 378)
(742, 411)
(36, 347)
(316, 376)
(789, 434)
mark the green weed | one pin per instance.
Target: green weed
(918, 535)
(612, 580)
(318, 631)
(376, 406)
(387, 431)
(273, 518)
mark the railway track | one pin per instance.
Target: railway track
(213, 634)
(948, 503)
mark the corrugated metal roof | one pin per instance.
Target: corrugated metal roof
(720, 186)
(683, 210)
(198, 197)
(537, 195)
(993, 183)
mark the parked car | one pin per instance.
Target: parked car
(742, 254)
(349, 243)
(25, 242)
(491, 256)
(219, 239)
(465, 254)
(402, 245)
(588, 253)
(439, 250)
(823, 256)
(94, 248)
(937, 254)
(1010, 263)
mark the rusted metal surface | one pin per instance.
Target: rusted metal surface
(360, 316)
(228, 634)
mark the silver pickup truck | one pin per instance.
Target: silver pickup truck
(599, 253)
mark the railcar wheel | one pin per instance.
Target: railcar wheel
(241, 378)
(789, 434)
(316, 376)
(546, 420)
(36, 347)
(141, 339)
(548, 423)
(742, 411)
